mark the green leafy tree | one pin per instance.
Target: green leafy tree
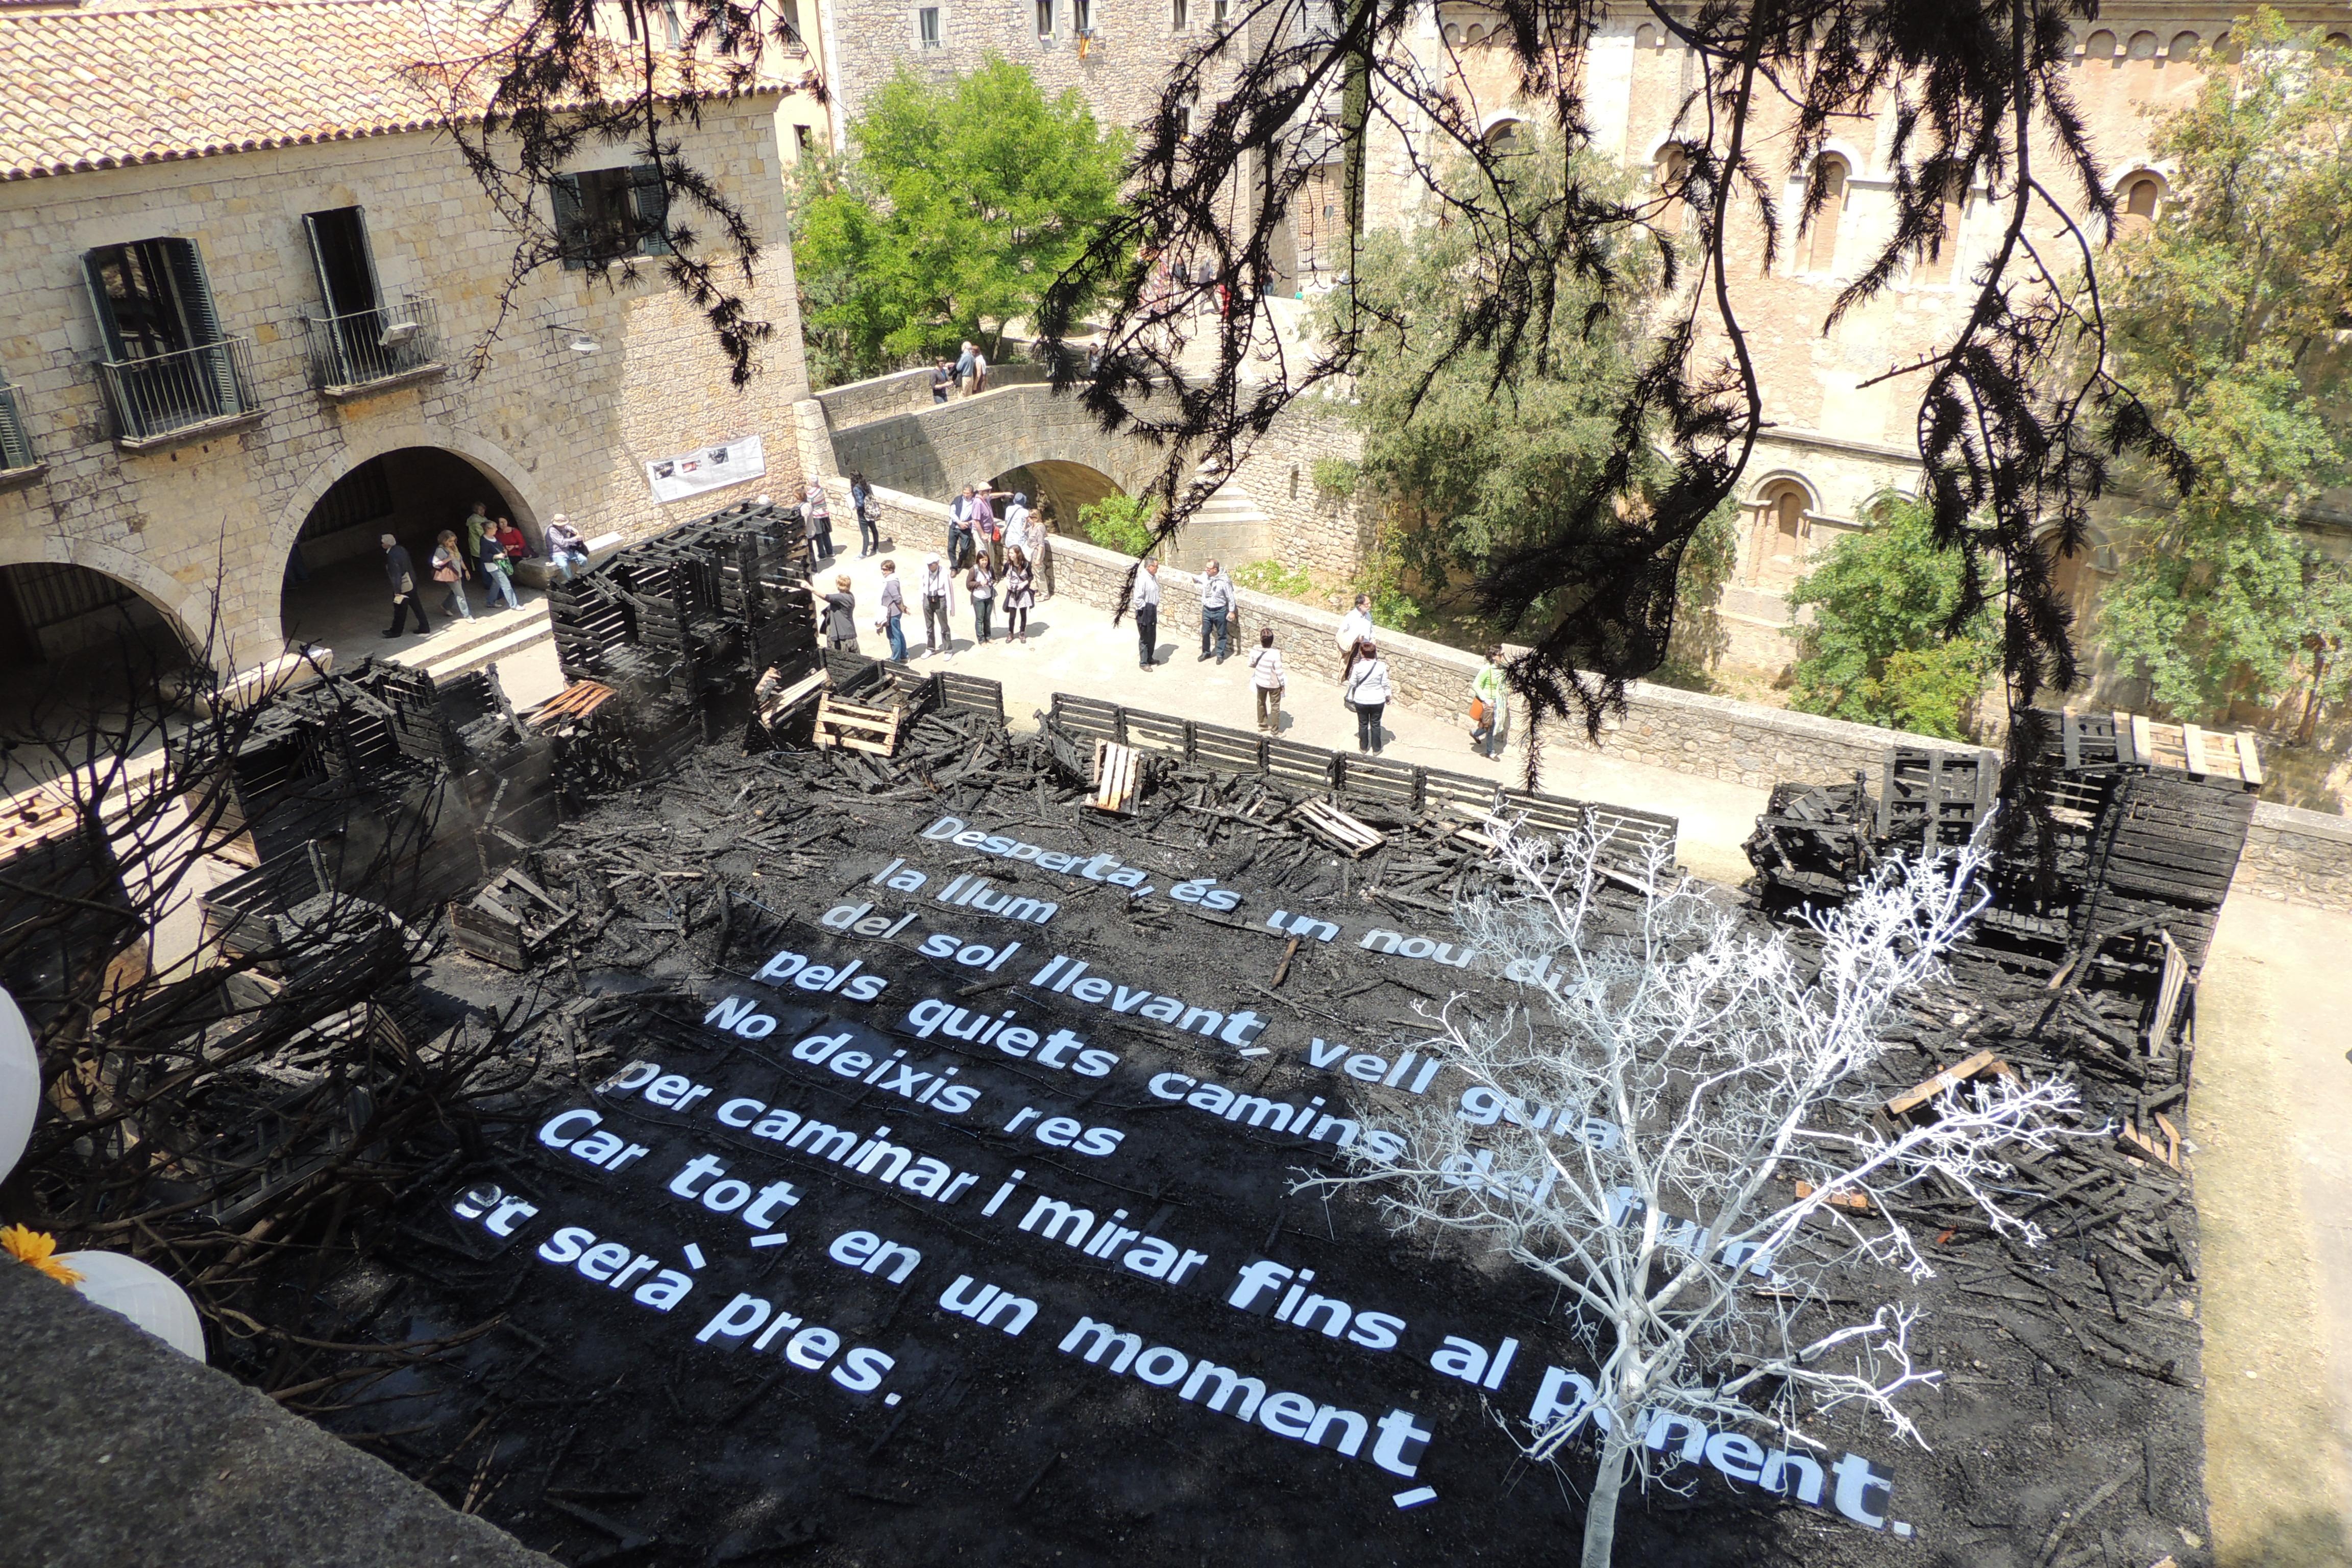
(1119, 522)
(1878, 649)
(2225, 315)
(1473, 463)
(959, 201)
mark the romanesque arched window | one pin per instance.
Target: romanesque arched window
(1830, 179)
(2142, 195)
(1668, 170)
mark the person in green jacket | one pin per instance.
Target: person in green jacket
(1486, 688)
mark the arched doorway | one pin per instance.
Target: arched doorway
(78, 645)
(335, 594)
(1062, 488)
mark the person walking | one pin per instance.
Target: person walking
(1216, 612)
(1486, 700)
(402, 576)
(894, 609)
(565, 548)
(1020, 594)
(1368, 694)
(861, 501)
(939, 599)
(979, 587)
(450, 570)
(819, 518)
(497, 573)
(840, 615)
(1355, 627)
(1266, 677)
(1146, 604)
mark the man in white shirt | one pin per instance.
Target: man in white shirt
(938, 598)
(1354, 628)
(1146, 604)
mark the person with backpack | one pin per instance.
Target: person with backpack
(1486, 700)
(1265, 678)
(449, 569)
(497, 573)
(1368, 692)
(861, 501)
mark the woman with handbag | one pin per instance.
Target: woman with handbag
(1487, 697)
(1368, 692)
(979, 587)
(449, 571)
(1020, 594)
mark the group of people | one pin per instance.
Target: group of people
(968, 374)
(490, 551)
(816, 519)
(987, 589)
(1365, 685)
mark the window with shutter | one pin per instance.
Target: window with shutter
(571, 229)
(170, 364)
(652, 201)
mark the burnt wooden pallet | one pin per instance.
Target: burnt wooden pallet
(1935, 798)
(856, 727)
(1337, 828)
(511, 922)
(1117, 778)
(1089, 718)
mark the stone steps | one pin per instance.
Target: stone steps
(488, 637)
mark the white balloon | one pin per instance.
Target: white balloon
(146, 1296)
(20, 1084)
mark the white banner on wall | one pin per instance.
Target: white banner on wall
(691, 473)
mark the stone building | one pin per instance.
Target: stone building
(253, 318)
(1836, 443)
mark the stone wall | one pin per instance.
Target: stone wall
(889, 429)
(2296, 856)
(552, 429)
(906, 392)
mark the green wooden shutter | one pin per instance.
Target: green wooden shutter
(571, 222)
(653, 209)
(212, 373)
(100, 304)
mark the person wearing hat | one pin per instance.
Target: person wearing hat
(401, 572)
(565, 548)
(1368, 691)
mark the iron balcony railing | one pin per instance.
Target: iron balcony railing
(158, 394)
(16, 446)
(367, 346)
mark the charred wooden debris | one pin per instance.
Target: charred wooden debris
(2085, 963)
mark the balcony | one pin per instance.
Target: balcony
(163, 400)
(374, 351)
(19, 463)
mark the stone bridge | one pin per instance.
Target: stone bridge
(1020, 435)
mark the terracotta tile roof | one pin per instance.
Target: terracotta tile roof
(99, 89)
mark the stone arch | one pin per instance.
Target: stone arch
(2139, 196)
(2142, 46)
(1785, 503)
(1867, 513)
(1833, 169)
(2182, 48)
(1505, 130)
(2099, 45)
(1061, 487)
(515, 483)
(187, 611)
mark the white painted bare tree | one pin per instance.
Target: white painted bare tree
(1684, 1143)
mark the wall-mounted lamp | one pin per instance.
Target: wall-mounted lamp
(577, 340)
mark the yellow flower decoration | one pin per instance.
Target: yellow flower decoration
(26, 1245)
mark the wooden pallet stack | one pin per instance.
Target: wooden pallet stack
(511, 921)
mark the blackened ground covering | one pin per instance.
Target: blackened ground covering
(661, 1388)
